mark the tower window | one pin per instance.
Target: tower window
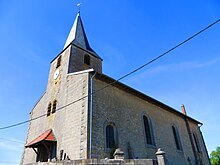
(197, 143)
(176, 138)
(49, 109)
(148, 130)
(59, 61)
(54, 106)
(110, 137)
(87, 59)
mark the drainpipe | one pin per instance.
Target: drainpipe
(90, 117)
(189, 133)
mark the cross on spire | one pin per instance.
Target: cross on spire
(79, 5)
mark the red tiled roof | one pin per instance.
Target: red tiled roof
(46, 136)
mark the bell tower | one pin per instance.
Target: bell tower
(64, 119)
(77, 55)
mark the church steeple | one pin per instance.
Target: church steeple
(78, 52)
(77, 36)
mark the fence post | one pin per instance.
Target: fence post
(119, 154)
(160, 154)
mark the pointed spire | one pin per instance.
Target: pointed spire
(78, 37)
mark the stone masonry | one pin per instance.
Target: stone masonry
(125, 110)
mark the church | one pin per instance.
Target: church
(85, 114)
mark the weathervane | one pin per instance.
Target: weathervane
(78, 5)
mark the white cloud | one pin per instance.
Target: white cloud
(175, 67)
(11, 144)
(10, 151)
(208, 63)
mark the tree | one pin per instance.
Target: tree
(215, 157)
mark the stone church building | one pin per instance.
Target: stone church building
(85, 114)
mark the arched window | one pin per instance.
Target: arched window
(176, 138)
(148, 130)
(110, 136)
(197, 143)
(49, 109)
(59, 61)
(86, 59)
(54, 106)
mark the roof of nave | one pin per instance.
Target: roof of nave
(141, 95)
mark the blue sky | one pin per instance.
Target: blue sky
(126, 34)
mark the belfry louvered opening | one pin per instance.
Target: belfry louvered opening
(59, 61)
(86, 59)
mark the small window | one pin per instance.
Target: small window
(197, 143)
(49, 109)
(110, 137)
(54, 106)
(176, 138)
(59, 61)
(87, 59)
(148, 131)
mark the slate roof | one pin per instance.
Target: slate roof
(143, 96)
(77, 36)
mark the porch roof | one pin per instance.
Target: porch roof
(46, 136)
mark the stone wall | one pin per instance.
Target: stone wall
(112, 105)
(69, 122)
(118, 160)
(100, 162)
(126, 111)
(35, 128)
